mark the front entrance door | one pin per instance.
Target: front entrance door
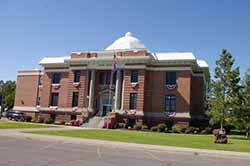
(105, 104)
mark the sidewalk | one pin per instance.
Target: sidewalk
(18, 133)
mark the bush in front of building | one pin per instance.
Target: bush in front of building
(138, 126)
(178, 128)
(28, 118)
(154, 129)
(169, 122)
(121, 125)
(60, 122)
(48, 120)
(161, 127)
(192, 130)
(207, 130)
(144, 128)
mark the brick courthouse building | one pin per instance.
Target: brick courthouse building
(146, 85)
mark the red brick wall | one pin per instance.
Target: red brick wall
(46, 90)
(139, 90)
(155, 91)
(197, 95)
(26, 90)
(81, 88)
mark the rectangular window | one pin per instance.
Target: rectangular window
(132, 101)
(134, 76)
(171, 78)
(56, 78)
(75, 99)
(170, 103)
(77, 75)
(54, 99)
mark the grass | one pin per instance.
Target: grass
(17, 125)
(236, 143)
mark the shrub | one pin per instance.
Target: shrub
(161, 127)
(61, 122)
(207, 130)
(178, 128)
(200, 122)
(169, 122)
(40, 120)
(35, 120)
(190, 130)
(144, 127)
(28, 118)
(154, 129)
(196, 130)
(48, 120)
(137, 126)
(121, 125)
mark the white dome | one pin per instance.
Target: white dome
(128, 41)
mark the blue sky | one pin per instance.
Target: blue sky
(33, 29)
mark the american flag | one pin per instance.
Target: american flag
(116, 61)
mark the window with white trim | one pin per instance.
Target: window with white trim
(170, 103)
(132, 101)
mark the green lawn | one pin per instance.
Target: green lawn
(16, 125)
(236, 143)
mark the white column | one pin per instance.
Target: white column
(118, 90)
(91, 90)
(123, 88)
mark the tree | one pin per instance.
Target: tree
(224, 88)
(8, 94)
(242, 109)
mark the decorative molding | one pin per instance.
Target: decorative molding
(182, 68)
(56, 70)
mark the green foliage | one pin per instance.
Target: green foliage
(242, 110)
(224, 90)
(48, 120)
(178, 128)
(35, 120)
(40, 120)
(207, 130)
(161, 127)
(190, 130)
(154, 129)
(144, 127)
(7, 94)
(138, 126)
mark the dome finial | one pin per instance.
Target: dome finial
(128, 34)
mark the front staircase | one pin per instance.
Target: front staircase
(94, 122)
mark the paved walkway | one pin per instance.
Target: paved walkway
(19, 133)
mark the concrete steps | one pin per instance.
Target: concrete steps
(94, 122)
